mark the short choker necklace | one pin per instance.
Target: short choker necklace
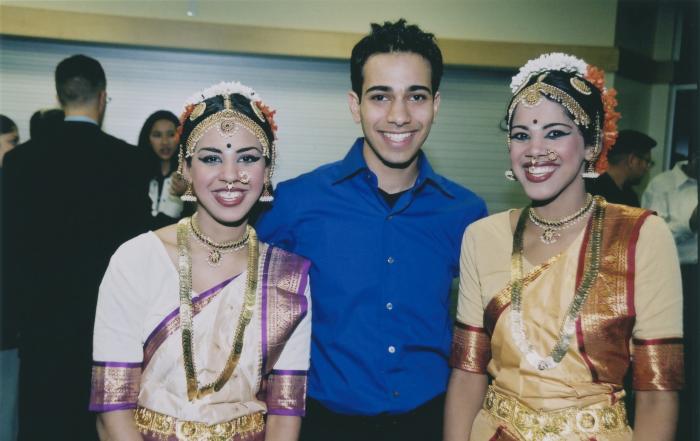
(550, 235)
(216, 249)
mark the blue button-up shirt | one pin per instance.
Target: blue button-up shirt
(380, 280)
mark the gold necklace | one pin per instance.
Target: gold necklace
(185, 273)
(568, 327)
(217, 249)
(549, 234)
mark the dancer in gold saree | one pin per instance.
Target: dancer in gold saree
(203, 332)
(557, 299)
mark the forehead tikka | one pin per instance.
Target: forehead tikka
(532, 95)
(226, 122)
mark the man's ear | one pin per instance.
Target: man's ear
(354, 104)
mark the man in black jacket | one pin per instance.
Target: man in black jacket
(70, 198)
(629, 160)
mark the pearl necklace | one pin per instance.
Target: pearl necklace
(568, 327)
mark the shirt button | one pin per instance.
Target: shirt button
(390, 260)
(391, 349)
(396, 393)
(390, 217)
(389, 306)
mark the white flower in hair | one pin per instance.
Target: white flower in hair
(223, 88)
(545, 62)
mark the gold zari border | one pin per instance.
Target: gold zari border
(471, 349)
(533, 425)
(165, 425)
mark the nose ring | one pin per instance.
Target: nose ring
(243, 177)
(552, 155)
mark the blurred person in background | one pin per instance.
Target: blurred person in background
(69, 199)
(9, 136)
(9, 362)
(158, 141)
(45, 122)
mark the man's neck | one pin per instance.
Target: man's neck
(391, 180)
(618, 176)
(83, 111)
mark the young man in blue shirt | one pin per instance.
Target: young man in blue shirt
(383, 232)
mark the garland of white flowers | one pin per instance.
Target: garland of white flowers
(224, 88)
(546, 62)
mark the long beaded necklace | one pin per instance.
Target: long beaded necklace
(549, 234)
(185, 273)
(568, 327)
(217, 249)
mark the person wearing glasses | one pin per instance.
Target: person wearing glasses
(629, 161)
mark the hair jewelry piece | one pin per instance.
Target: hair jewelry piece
(547, 62)
(198, 110)
(532, 96)
(579, 85)
(228, 128)
(590, 171)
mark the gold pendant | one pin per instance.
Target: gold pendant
(214, 258)
(549, 236)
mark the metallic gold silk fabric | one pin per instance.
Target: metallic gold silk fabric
(604, 328)
(115, 386)
(658, 364)
(286, 393)
(471, 348)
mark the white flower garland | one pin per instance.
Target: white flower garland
(223, 88)
(545, 62)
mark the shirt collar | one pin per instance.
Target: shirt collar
(354, 162)
(80, 118)
(679, 175)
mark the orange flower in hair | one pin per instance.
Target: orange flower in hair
(609, 130)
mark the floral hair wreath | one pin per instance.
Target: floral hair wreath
(596, 76)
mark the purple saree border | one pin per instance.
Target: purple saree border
(263, 305)
(297, 372)
(163, 323)
(111, 407)
(125, 364)
(287, 412)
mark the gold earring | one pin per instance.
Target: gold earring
(266, 195)
(189, 196)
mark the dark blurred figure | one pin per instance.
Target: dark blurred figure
(9, 363)
(9, 136)
(69, 199)
(158, 142)
(629, 161)
(45, 122)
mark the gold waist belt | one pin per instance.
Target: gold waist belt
(533, 425)
(164, 426)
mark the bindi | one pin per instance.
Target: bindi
(534, 121)
(228, 146)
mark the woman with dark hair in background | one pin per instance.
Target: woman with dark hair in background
(203, 332)
(158, 142)
(9, 136)
(557, 298)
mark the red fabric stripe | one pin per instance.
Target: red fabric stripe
(470, 327)
(657, 341)
(631, 253)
